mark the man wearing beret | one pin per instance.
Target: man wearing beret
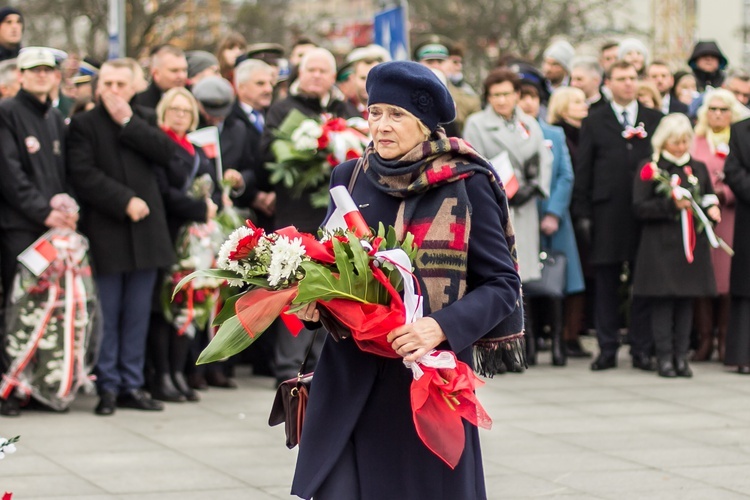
(32, 167)
(11, 31)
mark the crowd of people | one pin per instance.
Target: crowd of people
(571, 136)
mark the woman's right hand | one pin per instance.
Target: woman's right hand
(309, 313)
(682, 204)
(211, 209)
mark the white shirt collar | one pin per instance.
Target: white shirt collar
(246, 108)
(631, 108)
(665, 101)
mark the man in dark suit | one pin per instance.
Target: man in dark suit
(112, 152)
(659, 74)
(169, 69)
(253, 81)
(615, 140)
(586, 74)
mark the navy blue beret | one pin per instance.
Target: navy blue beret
(413, 87)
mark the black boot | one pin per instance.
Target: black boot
(682, 368)
(164, 390)
(161, 386)
(666, 368)
(529, 333)
(559, 355)
(179, 349)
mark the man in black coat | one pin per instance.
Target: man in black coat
(615, 140)
(112, 153)
(659, 74)
(169, 69)
(32, 170)
(254, 80)
(313, 93)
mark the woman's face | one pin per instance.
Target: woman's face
(578, 109)
(503, 98)
(677, 146)
(179, 115)
(394, 131)
(685, 89)
(231, 54)
(645, 99)
(635, 58)
(718, 114)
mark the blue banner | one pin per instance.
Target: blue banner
(390, 31)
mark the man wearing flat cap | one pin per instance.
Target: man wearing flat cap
(32, 168)
(201, 64)
(11, 31)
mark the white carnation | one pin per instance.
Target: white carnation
(286, 257)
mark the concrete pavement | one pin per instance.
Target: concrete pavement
(558, 433)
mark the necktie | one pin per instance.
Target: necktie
(625, 121)
(257, 120)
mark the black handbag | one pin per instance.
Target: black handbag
(290, 405)
(552, 283)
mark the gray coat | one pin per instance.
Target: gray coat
(490, 135)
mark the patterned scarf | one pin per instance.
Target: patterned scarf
(440, 220)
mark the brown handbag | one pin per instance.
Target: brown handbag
(290, 404)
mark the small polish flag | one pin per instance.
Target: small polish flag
(346, 215)
(38, 256)
(207, 138)
(504, 170)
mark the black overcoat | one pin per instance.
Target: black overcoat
(110, 164)
(737, 172)
(363, 399)
(662, 269)
(603, 189)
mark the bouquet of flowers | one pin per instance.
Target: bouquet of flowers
(306, 149)
(197, 246)
(671, 187)
(51, 321)
(355, 276)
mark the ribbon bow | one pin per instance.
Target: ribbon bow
(639, 132)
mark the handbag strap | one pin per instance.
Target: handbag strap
(302, 367)
(355, 174)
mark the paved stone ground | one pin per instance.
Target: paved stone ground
(558, 433)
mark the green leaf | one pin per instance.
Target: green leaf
(206, 273)
(229, 340)
(227, 310)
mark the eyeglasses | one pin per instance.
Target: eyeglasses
(717, 110)
(180, 111)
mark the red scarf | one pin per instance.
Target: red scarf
(182, 141)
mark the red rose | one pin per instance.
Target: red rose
(323, 141)
(246, 245)
(352, 155)
(648, 172)
(200, 296)
(335, 125)
(179, 298)
(332, 161)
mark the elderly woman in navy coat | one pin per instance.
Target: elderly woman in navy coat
(359, 440)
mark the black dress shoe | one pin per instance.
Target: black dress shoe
(603, 362)
(643, 362)
(743, 370)
(682, 368)
(575, 350)
(11, 407)
(666, 369)
(182, 385)
(107, 403)
(164, 390)
(197, 381)
(139, 400)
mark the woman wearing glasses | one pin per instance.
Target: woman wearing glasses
(711, 145)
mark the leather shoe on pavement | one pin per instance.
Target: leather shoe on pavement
(139, 400)
(10, 407)
(743, 370)
(666, 369)
(603, 362)
(107, 403)
(643, 362)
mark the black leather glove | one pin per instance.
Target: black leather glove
(524, 194)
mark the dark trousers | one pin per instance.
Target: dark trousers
(671, 321)
(290, 351)
(126, 307)
(607, 315)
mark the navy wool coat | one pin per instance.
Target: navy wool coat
(359, 440)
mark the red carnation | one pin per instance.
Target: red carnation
(352, 155)
(335, 125)
(200, 296)
(246, 245)
(323, 141)
(649, 171)
(332, 161)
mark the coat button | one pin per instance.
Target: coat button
(628, 146)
